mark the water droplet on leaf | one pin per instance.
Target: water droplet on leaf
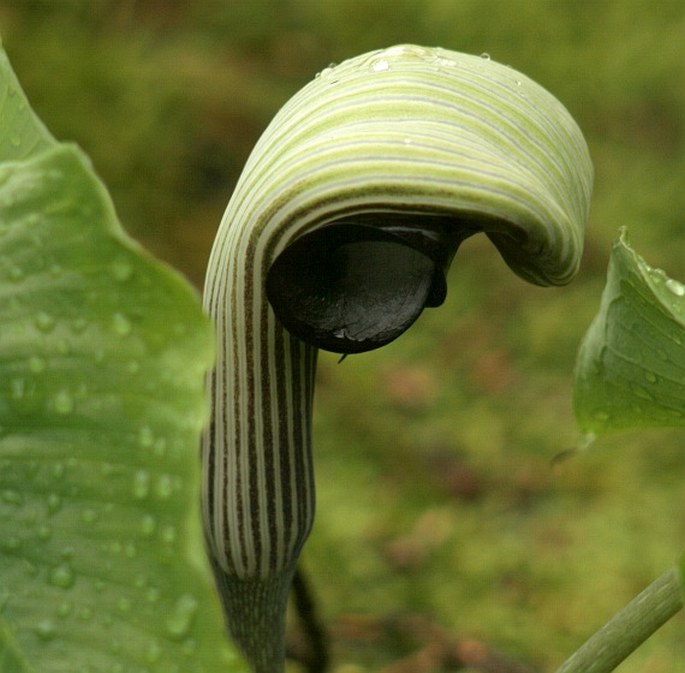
(122, 270)
(46, 630)
(145, 436)
(179, 621)
(122, 325)
(678, 289)
(12, 544)
(152, 595)
(45, 322)
(641, 392)
(141, 484)
(168, 534)
(85, 613)
(12, 497)
(23, 396)
(64, 609)
(153, 652)
(43, 533)
(63, 402)
(148, 524)
(62, 576)
(124, 604)
(37, 365)
(54, 503)
(165, 486)
(78, 325)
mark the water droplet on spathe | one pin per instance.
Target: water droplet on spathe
(327, 73)
(380, 65)
(443, 62)
(485, 56)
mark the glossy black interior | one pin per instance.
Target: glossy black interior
(356, 285)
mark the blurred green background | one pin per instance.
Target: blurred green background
(438, 498)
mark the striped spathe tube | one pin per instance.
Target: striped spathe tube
(339, 233)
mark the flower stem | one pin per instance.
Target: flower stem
(629, 628)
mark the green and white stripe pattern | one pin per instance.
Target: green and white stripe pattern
(404, 130)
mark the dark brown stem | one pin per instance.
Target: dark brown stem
(313, 652)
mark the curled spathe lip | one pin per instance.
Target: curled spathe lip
(359, 283)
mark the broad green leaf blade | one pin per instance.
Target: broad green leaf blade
(630, 371)
(102, 359)
(10, 660)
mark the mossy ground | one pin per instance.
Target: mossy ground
(438, 495)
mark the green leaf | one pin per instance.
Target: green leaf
(630, 371)
(22, 134)
(10, 660)
(102, 358)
